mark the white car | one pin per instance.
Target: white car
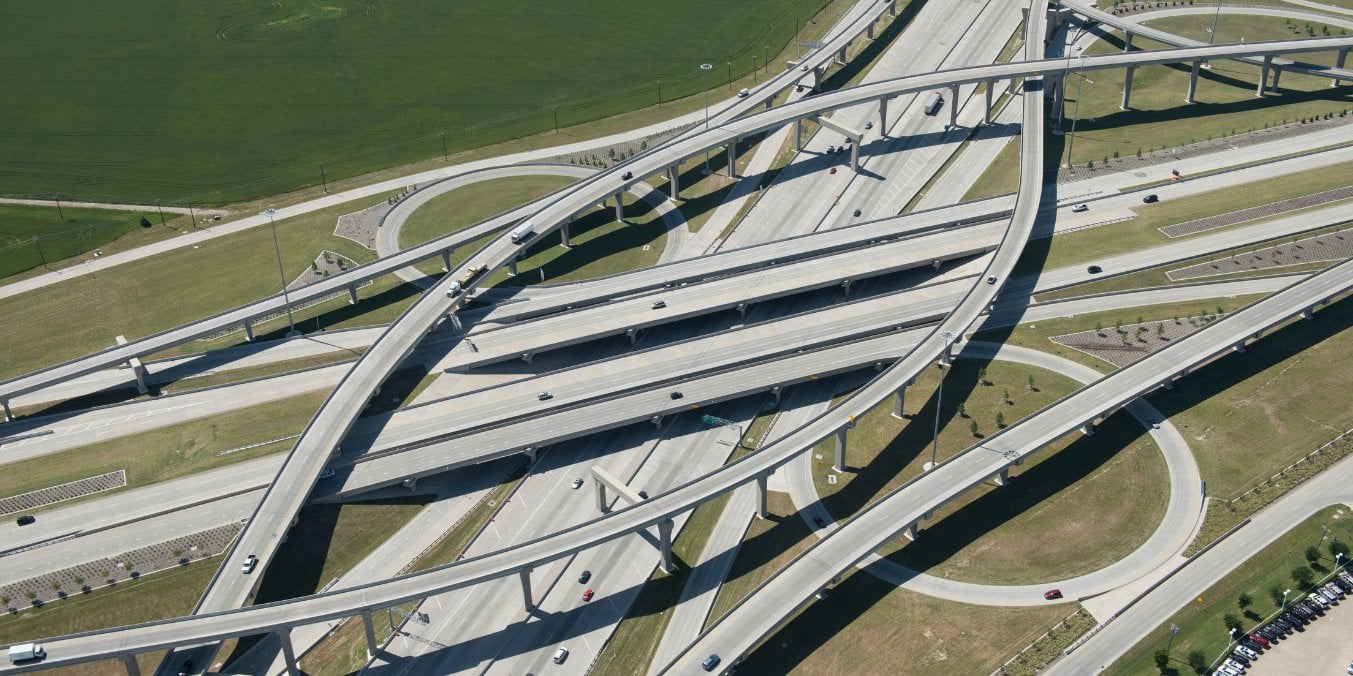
(249, 563)
(577, 483)
(1247, 652)
(1080, 208)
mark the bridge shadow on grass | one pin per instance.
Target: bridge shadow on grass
(1055, 473)
(1270, 351)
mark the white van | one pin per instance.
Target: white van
(744, 93)
(25, 651)
(560, 655)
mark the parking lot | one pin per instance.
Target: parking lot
(1324, 648)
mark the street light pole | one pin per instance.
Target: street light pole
(706, 67)
(1174, 631)
(947, 336)
(556, 118)
(281, 273)
(1212, 33)
(730, 75)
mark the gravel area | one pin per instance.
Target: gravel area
(118, 568)
(1332, 247)
(1261, 211)
(67, 491)
(1126, 343)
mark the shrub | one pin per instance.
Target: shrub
(1303, 576)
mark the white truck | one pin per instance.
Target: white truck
(932, 103)
(522, 231)
(25, 651)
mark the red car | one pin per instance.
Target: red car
(1052, 594)
(587, 595)
(1259, 639)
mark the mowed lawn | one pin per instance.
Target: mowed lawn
(220, 101)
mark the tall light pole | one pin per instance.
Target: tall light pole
(1212, 32)
(730, 75)
(1075, 112)
(948, 337)
(754, 68)
(281, 273)
(706, 67)
(1174, 631)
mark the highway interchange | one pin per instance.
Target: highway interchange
(947, 300)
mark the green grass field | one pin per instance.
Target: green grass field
(221, 101)
(33, 236)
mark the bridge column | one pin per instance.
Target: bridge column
(446, 261)
(665, 544)
(563, 234)
(633, 335)
(839, 463)
(674, 174)
(1193, 81)
(1277, 72)
(855, 157)
(841, 55)
(953, 106)
(733, 159)
(370, 630)
(352, 294)
(1127, 42)
(620, 206)
(601, 496)
(512, 267)
(138, 369)
(761, 495)
(525, 576)
(798, 135)
(774, 392)
(1002, 477)
(883, 117)
(869, 30)
(657, 421)
(9, 413)
(910, 531)
(288, 652)
(990, 89)
(1307, 314)
(129, 663)
(1239, 347)
(1339, 63)
(410, 483)
(527, 357)
(1127, 88)
(742, 309)
(531, 452)
(249, 330)
(1088, 429)
(1167, 384)
(1263, 74)
(898, 400)
(892, 8)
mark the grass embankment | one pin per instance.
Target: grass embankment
(1226, 103)
(217, 136)
(1144, 230)
(1094, 491)
(32, 236)
(845, 632)
(171, 452)
(1203, 627)
(159, 595)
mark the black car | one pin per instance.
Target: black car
(857, 212)
(1294, 620)
(676, 394)
(643, 494)
(1251, 644)
(1151, 199)
(586, 575)
(1271, 633)
(627, 175)
(25, 519)
(1094, 269)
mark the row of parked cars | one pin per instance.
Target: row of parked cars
(1294, 618)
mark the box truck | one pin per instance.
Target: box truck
(522, 231)
(26, 651)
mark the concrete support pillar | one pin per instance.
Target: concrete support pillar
(633, 335)
(525, 576)
(910, 531)
(953, 106)
(742, 309)
(774, 392)
(352, 294)
(1168, 384)
(991, 95)
(512, 267)
(883, 117)
(410, 483)
(1088, 429)
(855, 157)
(899, 398)
(601, 497)
(288, 652)
(761, 495)
(839, 462)
(869, 31)
(657, 421)
(1239, 347)
(845, 286)
(1193, 81)
(563, 234)
(1263, 74)
(1277, 72)
(892, 8)
(1058, 93)
(1002, 477)
(370, 630)
(531, 452)
(768, 103)
(841, 56)
(1339, 63)
(620, 206)
(732, 149)
(138, 369)
(249, 330)
(665, 544)
(446, 261)
(1127, 88)
(9, 413)
(129, 663)
(798, 135)
(1307, 314)
(527, 357)
(674, 175)
(1127, 42)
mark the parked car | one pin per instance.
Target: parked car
(1052, 594)
(1255, 647)
(1239, 658)
(831, 149)
(1080, 208)
(1260, 639)
(1249, 653)
(1334, 589)
(249, 563)
(643, 495)
(584, 577)
(1231, 668)
(587, 595)
(1317, 598)
(832, 170)
(991, 279)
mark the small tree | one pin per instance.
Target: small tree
(1031, 383)
(1232, 621)
(31, 595)
(56, 585)
(1000, 420)
(1099, 328)
(982, 375)
(1275, 594)
(79, 581)
(1005, 397)
(1197, 661)
(1303, 576)
(178, 552)
(1162, 658)
(4, 600)
(1338, 549)
(1160, 330)
(1118, 326)
(1244, 600)
(962, 412)
(972, 427)
(1312, 554)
